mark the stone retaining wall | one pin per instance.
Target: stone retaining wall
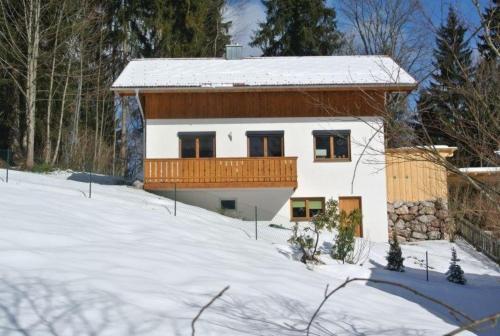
(416, 221)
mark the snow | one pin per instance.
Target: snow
(120, 263)
(480, 170)
(262, 71)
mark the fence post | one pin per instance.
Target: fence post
(175, 199)
(255, 222)
(90, 182)
(426, 266)
(8, 165)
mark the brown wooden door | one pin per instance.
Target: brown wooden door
(348, 204)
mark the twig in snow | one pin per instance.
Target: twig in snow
(205, 307)
(452, 310)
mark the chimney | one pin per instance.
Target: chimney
(234, 51)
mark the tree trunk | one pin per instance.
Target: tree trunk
(33, 37)
(101, 132)
(78, 104)
(48, 145)
(123, 135)
(18, 128)
(97, 101)
(61, 117)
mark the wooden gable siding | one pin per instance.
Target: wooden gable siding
(254, 104)
(412, 177)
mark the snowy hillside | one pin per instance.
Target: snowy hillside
(121, 264)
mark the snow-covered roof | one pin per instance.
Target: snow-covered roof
(480, 170)
(263, 71)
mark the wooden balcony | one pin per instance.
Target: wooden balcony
(265, 172)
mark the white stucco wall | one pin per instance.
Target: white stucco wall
(315, 179)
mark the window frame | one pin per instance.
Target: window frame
(265, 135)
(331, 134)
(306, 200)
(197, 136)
(230, 200)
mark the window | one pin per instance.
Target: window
(228, 204)
(265, 144)
(304, 209)
(332, 145)
(197, 145)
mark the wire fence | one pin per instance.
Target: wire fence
(257, 222)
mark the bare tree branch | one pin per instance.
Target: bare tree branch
(451, 310)
(470, 326)
(205, 307)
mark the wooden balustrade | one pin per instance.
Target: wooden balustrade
(248, 172)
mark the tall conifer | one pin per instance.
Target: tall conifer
(298, 28)
(491, 17)
(442, 102)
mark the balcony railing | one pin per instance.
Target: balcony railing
(265, 172)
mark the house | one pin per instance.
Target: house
(281, 135)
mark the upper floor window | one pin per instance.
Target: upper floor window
(265, 144)
(197, 144)
(332, 145)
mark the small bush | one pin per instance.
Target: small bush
(395, 256)
(42, 168)
(307, 239)
(455, 273)
(360, 253)
(344, 242)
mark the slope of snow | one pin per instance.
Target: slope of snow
(120, 264)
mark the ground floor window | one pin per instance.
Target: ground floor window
(228, 204)
(304, 209)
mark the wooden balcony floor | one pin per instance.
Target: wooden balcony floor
(262, 172)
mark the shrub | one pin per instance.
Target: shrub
(344, 242)
(307, 239)
(395, 256)
(42, 168)
(455, 273)
(360, 253)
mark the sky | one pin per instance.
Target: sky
(246, 14)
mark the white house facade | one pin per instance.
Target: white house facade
(281, 135)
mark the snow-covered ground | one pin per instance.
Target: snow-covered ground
(121, 264)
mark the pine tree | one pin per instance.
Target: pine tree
(442, 102)
(180, 28)
(298, 28)
(455, 273)
(491, 18)
(395, 256)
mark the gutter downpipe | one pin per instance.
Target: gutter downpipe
(138, 100)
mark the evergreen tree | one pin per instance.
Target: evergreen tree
(442, 102)
(395, 256)
(181, 28)
(491, 17)
(455, 273)
(298, 28)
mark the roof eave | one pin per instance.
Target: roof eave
(406, 87)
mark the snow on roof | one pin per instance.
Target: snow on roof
(478, 170)
(262, 71)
